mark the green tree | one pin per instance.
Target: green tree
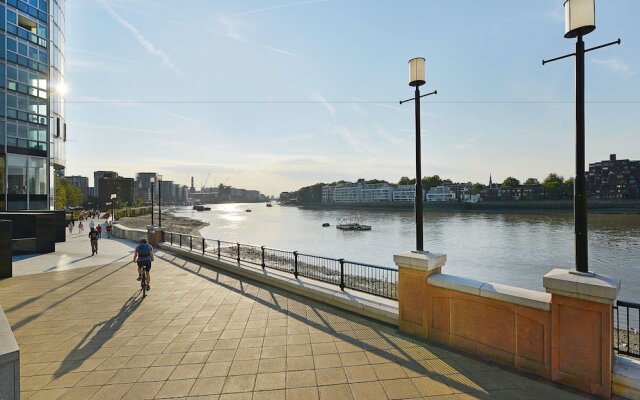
(553, 186)
(375, 181)
(477, 187)
(310, 194)
(406, 181)
(431, 181)
(511, 182)
(568, 188)
(532, 181)
(67, 195)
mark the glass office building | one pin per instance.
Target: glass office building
(32, 126)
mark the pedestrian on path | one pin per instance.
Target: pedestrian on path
(70, 228)
(93, 238)
(99, 230)
(80, 228)
(109, 227)
(91, 224)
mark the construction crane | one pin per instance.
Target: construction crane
(204, 185)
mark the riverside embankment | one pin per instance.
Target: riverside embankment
(505, 207)
(170, 222)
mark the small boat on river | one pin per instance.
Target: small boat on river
(248, 210)
(269, 205)
(201, 208)
(352, 224)
(326, 224)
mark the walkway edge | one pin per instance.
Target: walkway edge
(379, 311)
(9, 361)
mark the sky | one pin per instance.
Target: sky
(274, 95)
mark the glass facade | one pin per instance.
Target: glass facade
(32, 125)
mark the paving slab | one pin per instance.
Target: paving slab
(86, 332)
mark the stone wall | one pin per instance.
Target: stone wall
(9, 362)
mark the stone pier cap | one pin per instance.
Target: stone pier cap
(591, 286)
(420, 260)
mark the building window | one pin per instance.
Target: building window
(16, 174)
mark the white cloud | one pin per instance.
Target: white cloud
(467, 144)
(615, 66)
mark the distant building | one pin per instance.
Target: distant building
(167, 192)
(373, 193)
(441, 193)
(347, 193)
(123, 188)
(97, 175)
(405, 193)
(82, 183)
(143, 186)
(614, 179)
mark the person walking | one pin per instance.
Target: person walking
(70, 228)
(99, 230)
(91, 224)
(109, 227)
(143, 257)
(93, 238)
(80, 227)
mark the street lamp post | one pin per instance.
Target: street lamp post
(160, 203)
(417, 79)
(113, 207)
(153, 187)
(579, 21)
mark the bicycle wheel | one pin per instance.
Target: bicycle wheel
(143, 282)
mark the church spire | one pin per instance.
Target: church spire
(490, 182)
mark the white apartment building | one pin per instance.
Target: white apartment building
(377, 193)
(327, 193)
(405, 193)
(441, 193)
(347, 193)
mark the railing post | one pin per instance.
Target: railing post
(181, 240)
(218, 248)
(190, 243)
(341, 274)
(238, 252)
(295, 264)
(203, 246)
(263, 264)
(172, 238)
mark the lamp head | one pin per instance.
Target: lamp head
(579, 17)
(416, 71)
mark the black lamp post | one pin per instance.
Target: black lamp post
(417, 79)
(160, 203)
(113, 207)
(153, 188)
(580, 20)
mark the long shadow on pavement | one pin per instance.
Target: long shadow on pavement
(89, 346)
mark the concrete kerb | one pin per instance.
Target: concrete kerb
(384, 311)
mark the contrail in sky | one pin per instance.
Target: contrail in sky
(276, 7)
(148, 46)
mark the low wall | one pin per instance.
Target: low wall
(505, 324)
(123, 232)
(564, 335)
(9, 361)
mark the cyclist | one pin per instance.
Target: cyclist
(143, 256)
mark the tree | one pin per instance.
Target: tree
(431, 181)
(568, 188)
(310, 194)
(406, 181)
(553, 185)
(477, 187)
(532, 181)
(67, 195)
(511, 182)
(375, 181)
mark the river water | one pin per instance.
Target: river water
(513, 249)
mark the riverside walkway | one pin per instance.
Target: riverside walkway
(85, 332)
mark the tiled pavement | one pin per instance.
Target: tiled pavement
(87, 334)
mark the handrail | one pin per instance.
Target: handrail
(374, 279)
(626, 338)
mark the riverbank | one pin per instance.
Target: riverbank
(503, 207)
(170, 223)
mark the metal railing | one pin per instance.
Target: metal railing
(626, 327)
(367, 278)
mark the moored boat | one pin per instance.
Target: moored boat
(352, 224)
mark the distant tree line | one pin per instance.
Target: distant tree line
(555, 186)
